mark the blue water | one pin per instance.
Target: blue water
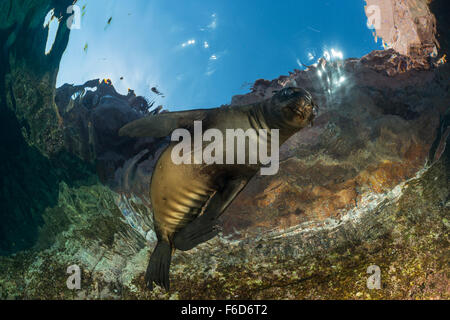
(201, 53)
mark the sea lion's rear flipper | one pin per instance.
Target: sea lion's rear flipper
(159, 265)
(205, 227)
(162, 124)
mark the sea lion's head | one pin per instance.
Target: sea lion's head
(293, 107)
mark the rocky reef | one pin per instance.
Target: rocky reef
(374, 130)
(28, 75)
(34, 158)
(407, 26)
(367, 185)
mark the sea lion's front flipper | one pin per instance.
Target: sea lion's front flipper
(205, 227)
(162, 124)
(223, 197)
(196, 232)
(159, 265)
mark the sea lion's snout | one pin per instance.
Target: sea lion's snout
(297, 106)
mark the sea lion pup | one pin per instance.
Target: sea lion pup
(187, 199)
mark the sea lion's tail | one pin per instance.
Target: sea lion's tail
(159, 265)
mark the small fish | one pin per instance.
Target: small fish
(108, 23)
(156, 91)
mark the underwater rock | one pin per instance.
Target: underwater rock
(31, 138)
(28, 75)
(36, 134)
(407, 26)
(92, 115)
(373, 131)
